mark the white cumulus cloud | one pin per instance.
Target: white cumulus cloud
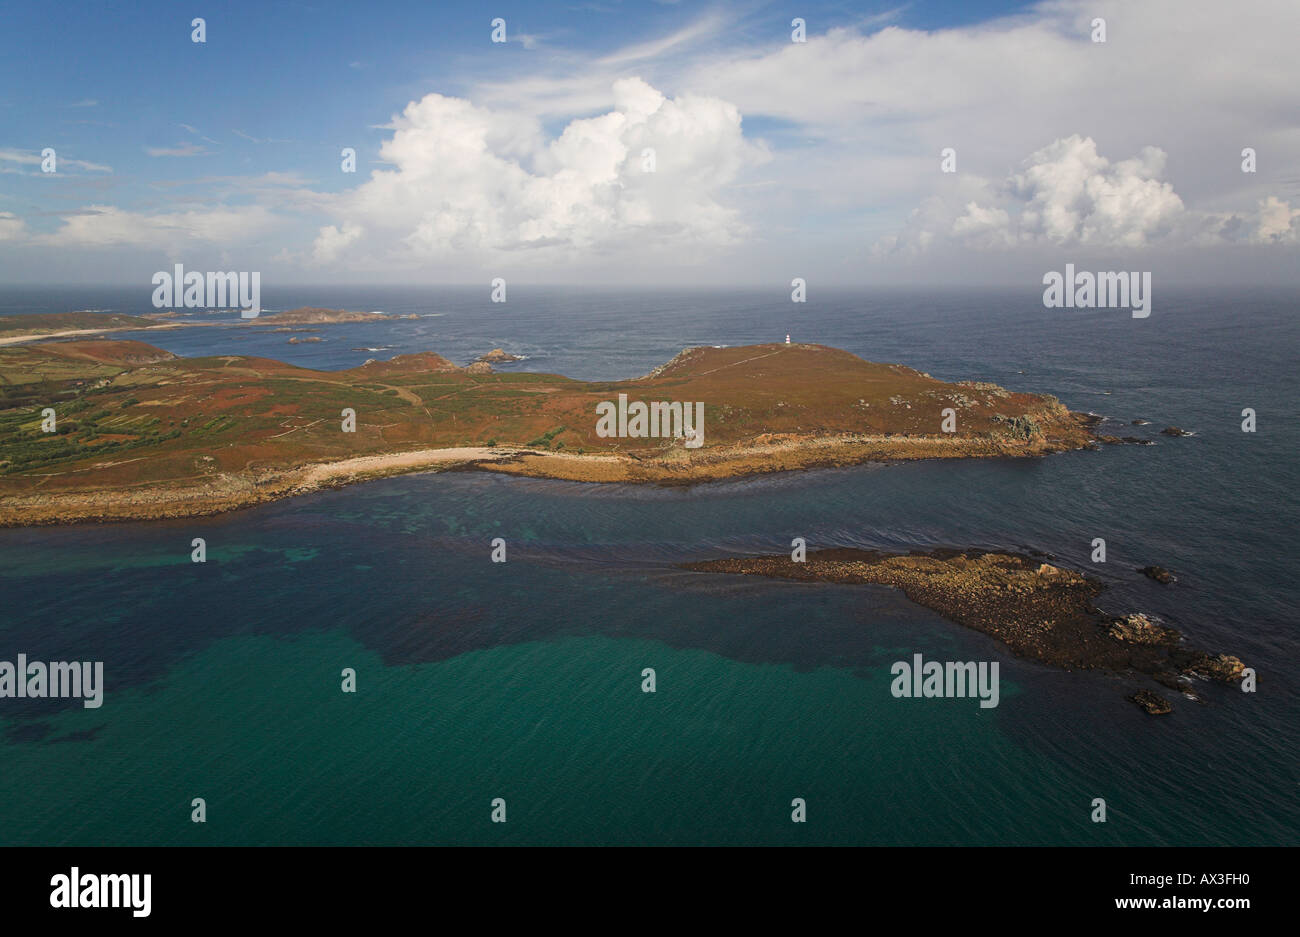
(332, 241)
(469, 179)
(1277, 222)
(1072, 194)
(1069, 194)
(1065, 194)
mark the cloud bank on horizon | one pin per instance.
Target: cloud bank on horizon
(720, 150)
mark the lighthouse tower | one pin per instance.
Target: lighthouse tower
(787, 338)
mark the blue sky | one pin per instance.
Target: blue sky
(229, 151)
(307, 78)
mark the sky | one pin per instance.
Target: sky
(651, 143)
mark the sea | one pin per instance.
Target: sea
(515, 691)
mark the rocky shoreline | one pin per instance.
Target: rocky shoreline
(1039, 611)
(498, 356)
(229, 492)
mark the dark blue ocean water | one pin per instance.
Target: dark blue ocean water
(522, 680)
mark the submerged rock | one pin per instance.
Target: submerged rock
(1159, 574)
(1153, 703)
(1179, 682)
(1120, 440)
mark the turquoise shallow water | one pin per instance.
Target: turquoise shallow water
(522, 680)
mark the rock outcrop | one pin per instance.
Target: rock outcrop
(1137, 628)
(1039, 610)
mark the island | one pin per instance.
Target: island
(17, 330)
(315, 315)
(140, 433)
(1037, 609)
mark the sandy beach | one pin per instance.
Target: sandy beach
(231, 491)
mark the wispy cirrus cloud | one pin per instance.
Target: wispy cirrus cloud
(34, 159)
(252, 139)
(109, 226)
(180, 150)
(196, 132)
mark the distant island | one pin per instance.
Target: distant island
(16, 330)
(1037, 609)
(313, 315)
(141, 433)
